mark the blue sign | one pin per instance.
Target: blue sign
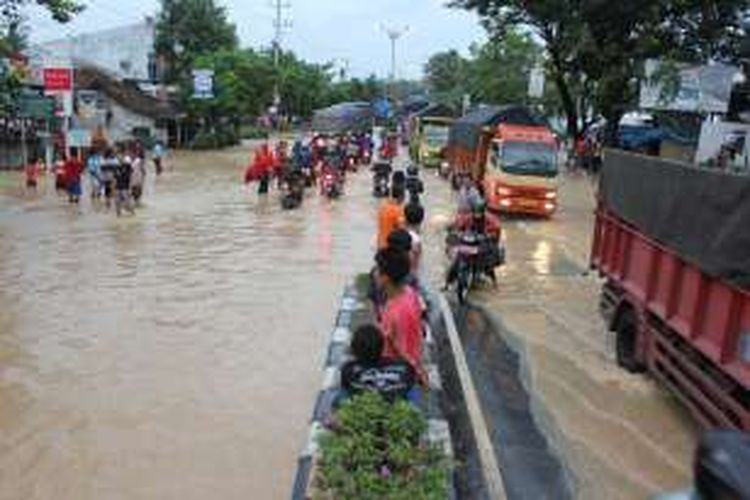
(382, 108)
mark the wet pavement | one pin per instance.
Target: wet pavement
(620, 435)
(175, 354)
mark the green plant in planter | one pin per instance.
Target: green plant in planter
(377, 452)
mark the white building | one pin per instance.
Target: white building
(126, 52)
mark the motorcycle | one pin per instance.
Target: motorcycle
(293, 192)
(330, 185)
(350, 163)
(380, 187)
(366, 157)
(474, 255)
(381, 179)
(468, 269)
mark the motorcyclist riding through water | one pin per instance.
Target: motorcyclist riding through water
(482, 230)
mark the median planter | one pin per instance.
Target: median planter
(377, 450)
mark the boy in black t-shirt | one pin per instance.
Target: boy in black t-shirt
(368, 371)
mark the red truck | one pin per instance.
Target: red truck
(511, 154)
(673, 245)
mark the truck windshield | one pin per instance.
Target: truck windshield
(528, 158)
(435, 135)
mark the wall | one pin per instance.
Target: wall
(124, 121)
(123, 52)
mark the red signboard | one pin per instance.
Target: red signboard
(58, 79)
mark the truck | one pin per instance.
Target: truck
(429, 129)
(511, 154)
(671, 244)
(345, 117)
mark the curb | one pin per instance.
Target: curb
(336, 355)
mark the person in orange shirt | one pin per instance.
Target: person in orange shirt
(391, 215)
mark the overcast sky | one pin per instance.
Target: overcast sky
(322, 30)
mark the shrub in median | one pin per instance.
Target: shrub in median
(377, 451)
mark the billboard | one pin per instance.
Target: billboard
(203, 83)
(58, 79)
(701, 89)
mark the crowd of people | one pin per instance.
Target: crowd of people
(114, 176)
(387, 355)
(322, 159)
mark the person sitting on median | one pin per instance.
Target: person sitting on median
(369, 371)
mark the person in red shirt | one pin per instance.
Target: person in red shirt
(478, 220)
(32, 171)
(401, 318)
(480, 223)
(261, 168)
(73, 168)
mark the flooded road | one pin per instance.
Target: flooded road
(620, 435)
(173, 354)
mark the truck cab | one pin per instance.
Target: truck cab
(431, 140)
(520, 175)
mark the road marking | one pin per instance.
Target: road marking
(490, 468)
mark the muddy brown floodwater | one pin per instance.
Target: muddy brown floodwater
(176, 354)
(173, 354)
(619, 435)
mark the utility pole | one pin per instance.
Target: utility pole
(280, 24)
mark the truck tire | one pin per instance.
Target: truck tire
(626, 337)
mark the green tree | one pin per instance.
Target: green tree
(446, 75)
(61, 11)
(187, 29)
(500, 68)
(596, 48)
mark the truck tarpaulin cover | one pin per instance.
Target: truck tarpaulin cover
(344, 117)
(702, 215)
(466, 130)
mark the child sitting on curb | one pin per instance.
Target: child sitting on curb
(369, 371)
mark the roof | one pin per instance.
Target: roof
(467, 129)
(437, 110)
(494, 115)
(126, 94)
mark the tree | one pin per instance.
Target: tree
(13, 39)
(447, 76)
(596, 48)
(61, 11)
(499, 69)
(187, 29)
(496, 71)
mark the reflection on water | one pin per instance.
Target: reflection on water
(541, 257)
(173, 354)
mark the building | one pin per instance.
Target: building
(118, 110)
(117, 92)
(126, 53)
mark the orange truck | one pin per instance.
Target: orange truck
(512, 156)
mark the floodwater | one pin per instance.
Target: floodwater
(177, 353)
(173, 354)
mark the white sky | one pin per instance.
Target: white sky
(322, 30)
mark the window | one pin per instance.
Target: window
(153, 68)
